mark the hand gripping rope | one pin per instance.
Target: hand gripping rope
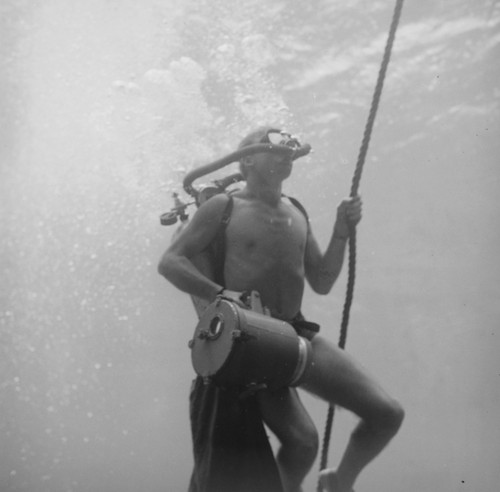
(352, 231)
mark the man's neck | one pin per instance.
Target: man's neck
(265, 192)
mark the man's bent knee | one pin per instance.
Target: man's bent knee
(389, 418)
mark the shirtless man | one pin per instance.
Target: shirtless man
(270, 249)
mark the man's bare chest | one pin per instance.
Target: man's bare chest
(279, 232)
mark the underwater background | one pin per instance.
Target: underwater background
(106, 104)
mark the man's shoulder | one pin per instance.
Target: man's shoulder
(215, 205)
(211, 212)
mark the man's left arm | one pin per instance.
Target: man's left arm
(323, 269)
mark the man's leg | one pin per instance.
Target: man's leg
(286, 417)
(334, 376)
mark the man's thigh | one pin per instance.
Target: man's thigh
(339, 379)
(285, 415)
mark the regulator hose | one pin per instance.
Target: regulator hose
(238, 155)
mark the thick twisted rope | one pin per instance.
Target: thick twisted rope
(352, 230)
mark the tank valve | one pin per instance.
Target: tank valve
(178, 212)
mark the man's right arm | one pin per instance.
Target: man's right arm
(176, 265)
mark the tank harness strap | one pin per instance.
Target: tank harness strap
(226, 215)
(298, 205)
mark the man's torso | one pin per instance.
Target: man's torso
(265, 248)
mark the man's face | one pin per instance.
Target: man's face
(271, 166)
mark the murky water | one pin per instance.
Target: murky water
(107, 104)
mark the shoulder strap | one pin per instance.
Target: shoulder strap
(226, 214)
(298, 205)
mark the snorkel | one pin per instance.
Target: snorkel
(268, 140)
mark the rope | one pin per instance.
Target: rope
(352, 231)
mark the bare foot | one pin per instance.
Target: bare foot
(329, 481)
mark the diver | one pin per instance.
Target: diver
(269, 248)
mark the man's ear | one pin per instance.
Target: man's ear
(245, 163)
